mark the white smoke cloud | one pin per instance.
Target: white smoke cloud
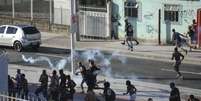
(104, 62)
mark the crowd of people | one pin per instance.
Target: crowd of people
(62, 88)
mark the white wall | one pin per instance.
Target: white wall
(146, 26)
(62, 11)
(3, 73)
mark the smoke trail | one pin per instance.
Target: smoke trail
(116, 55)
(61, 64)
(92, 54)
(41, 58)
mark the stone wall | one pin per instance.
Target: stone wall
(42, 25)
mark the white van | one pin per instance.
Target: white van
(20, 36)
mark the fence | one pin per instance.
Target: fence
(4, 96)
(35, 9)
(93, 23)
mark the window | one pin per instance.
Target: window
(171, 16)
(171, 13)
(11, 30)
(93, 3)
(131, 9)
(30, 30)
(2, 29)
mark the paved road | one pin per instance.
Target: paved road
(121, 67)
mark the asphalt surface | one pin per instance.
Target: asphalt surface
(121, 67)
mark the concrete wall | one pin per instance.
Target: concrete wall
(62, 12)
(146, 25)
(5, 2)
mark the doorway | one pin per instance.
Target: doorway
(199, 27)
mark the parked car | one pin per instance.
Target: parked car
(20, 36)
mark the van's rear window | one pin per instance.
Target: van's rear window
(30, 30)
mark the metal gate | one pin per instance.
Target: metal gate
(199, 27)
(93, 23)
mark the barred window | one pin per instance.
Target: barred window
(171, 16)
(131, 9)
(93, 3)
(171, 13)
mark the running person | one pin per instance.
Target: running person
(180, 40)
(126, 29)
(131, 90)
(177, 57)
(130, 38)
(83, 72)
(108, 93)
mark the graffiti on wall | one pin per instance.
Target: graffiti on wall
(149, 23)
(187, 15)
(150, 29)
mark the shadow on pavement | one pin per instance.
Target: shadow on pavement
(50, 50)
(168, 78)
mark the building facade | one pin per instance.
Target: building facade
(153, 20)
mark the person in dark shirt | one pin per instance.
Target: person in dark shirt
(174, 94)
(126, 29)
(179, 40)
(191, 33)
(131, 90)
(108, 93)
(129, 38)
(195, 30)
(71, 87)
(192, 98)
(24, 86)
(18, 82)
(11, 87)
(83, 72)
(93, 71)
(44, 84)
(54, 85)
(178, 57)
(150, 99)
(62, 79)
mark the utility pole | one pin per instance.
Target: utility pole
(73, 29)
(50, 8)
(31, 11)
(13, 9)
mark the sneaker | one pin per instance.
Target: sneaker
(181, 77)
(123, 43)
(177, 76)
(131, 49)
